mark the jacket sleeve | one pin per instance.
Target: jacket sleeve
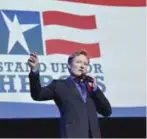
(40, 93)
(102, 104)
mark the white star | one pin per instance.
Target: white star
(16, 32)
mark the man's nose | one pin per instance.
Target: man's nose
(82, 66)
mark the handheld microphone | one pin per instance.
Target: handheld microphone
(88, 78)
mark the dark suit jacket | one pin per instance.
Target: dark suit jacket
(77, 117)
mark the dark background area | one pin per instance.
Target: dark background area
(110, 128)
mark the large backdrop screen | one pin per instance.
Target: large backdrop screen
(113, 32)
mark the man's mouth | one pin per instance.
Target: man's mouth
(80, 70)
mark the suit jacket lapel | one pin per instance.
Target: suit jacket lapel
(72, 88)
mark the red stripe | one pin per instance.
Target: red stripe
(66, 19)
(111, 2)
(67, 47)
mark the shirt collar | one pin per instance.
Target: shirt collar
(75, 79)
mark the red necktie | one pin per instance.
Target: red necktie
(89, 88)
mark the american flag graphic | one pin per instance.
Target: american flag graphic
(58, 33)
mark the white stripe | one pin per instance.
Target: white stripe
(23, 98)
(71, 34)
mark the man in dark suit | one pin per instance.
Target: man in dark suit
(78, 97)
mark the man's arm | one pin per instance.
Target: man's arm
(37, 92)
(40, 93)
(102, 104)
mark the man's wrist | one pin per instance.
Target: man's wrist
(36, 71)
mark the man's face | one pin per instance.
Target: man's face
(79, 65)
